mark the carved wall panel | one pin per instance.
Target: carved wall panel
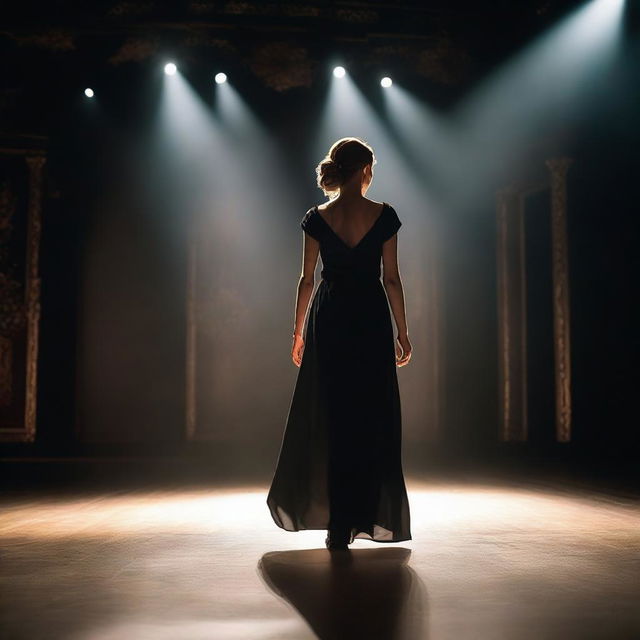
(560, 261)
(228, 321)
(21, 177)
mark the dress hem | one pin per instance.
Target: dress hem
(367, 537)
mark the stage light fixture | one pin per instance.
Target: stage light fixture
(386, 82)
(221, 77)
(89, 92)
(339, 72)
(170, 68)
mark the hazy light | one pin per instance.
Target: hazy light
(556, 79)
(339, 72)
(170, 68)
(347, 113)
(427, 138)
(221, 77)
(386, 82)
(89, 92)
(216, 168)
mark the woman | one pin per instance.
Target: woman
(339, 466)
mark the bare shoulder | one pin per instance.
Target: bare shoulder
(366, 205)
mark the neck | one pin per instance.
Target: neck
(350, 195)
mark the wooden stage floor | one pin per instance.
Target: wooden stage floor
(489, 560)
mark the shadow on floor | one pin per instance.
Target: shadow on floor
(364, 593)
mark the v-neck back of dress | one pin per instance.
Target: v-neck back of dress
(351, 264)
(363, 238)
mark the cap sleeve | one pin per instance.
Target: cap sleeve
(308, 224)
(392, 225)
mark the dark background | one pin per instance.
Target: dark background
(52, 53)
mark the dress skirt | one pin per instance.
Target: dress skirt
(340, 456)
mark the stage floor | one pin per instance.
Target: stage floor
(489, 560)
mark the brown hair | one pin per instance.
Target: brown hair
(345, 157)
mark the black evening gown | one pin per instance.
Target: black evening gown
(340, 456)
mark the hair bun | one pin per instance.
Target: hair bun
(345, 157)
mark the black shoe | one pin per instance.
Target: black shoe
(338, 539)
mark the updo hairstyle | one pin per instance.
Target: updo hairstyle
(345, 157)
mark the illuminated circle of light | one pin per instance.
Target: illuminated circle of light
(220, 78)
(386, 82)
(339, 72)
(170, 68)
(89, 92)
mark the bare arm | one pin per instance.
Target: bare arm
(310, 252)
(393, 283)
(395, 293)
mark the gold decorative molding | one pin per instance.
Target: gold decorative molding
(12, 315)
(6, 371)
(560, 270)
(32, 293)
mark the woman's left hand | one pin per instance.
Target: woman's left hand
(297, 349)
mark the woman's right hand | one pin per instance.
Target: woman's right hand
(403, 350)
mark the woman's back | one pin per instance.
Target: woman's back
(353, 248)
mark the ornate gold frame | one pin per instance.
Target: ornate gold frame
(512, 347)
(35, 160)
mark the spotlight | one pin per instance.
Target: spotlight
(339, 72)
(221, 77)
(88, 92)
(386, 82)
(170, 68)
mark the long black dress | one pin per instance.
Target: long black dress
(340, 456)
